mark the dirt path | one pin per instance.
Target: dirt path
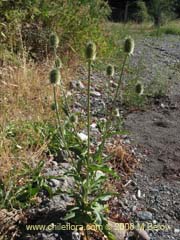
(156, 133)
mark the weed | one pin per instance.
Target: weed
(89, 168)
(22, 190)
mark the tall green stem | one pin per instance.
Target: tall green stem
(88, 130)
(120, 80)
(57, 113)
(88, 109)
(108, 121)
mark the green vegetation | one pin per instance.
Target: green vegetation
(21, 191)
(36, 119)
(161, 11)
(171, 28)
(26, 25)
(141, 14)
(90, 170)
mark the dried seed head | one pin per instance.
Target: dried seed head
(53, 40)
(90, 51)
(58, 63)
(129, 46)
(110, 70)
(54, 76)
(139, 88)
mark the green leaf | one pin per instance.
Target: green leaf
(103, 168)
(120, 132)
(71, 213)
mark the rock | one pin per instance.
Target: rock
(54, 183)
(61, 157)
(154, 222)
(57, 203)
(139, 196)
(76, 84)
(152, 210)
(93, 125)
(162, 105)
(134, 208)
(141, 234)
(95, 94)
(113, 84)
(134, 197)
(76, 236)
(144, 215)
(176, 230)
(82, 136)
(119, 234)
(80, 85)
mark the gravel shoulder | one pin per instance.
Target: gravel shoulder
(156, 134)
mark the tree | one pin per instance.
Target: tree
(141, 12)
(158, 8)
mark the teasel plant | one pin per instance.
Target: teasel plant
(89, 176)
(54, 43)
(128, 49)
(139, 88)
(56, 81)
(90, 54)
(110, 71)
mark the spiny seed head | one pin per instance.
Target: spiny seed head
(53, 106)
(129, 45)
(117, 112)
(54, 76)
(54, 40)
(58, 63)
(73, 118)
(110, 70)
(139, 88)
(90, 51)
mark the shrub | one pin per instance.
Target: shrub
(161, 11)
(27, 24)
(141, 14)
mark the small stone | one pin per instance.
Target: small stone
(162, 105)
(176, 230)
(76, 84)
(134, 208)
(114, 84)
(167, 217)
(153, 210)
(144, 215)
(54, 183)
(139, 196)
(134, 197)
(76, 236)
(93, 125)
(141, 234)
(80, 85)
(154, 222)
(119, 234)
(95, 94)
(82, 136)
(68, 94)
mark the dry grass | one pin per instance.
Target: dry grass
(130, 28)
(25, 97)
